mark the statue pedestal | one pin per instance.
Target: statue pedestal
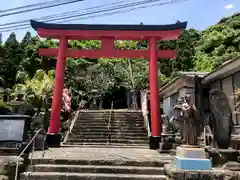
(191, 158)
(166, 143)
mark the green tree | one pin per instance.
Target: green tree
(218, 43)
(37, 91)
(11, 60)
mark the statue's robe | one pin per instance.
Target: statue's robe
(190, 124)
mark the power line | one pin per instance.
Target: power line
(37, 6)
(76, 13)
(25, 26)
(23, 7)
(112, 8)
(62, 14)
(92, 16)
(123, 11)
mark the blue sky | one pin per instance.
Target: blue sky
(199, 13)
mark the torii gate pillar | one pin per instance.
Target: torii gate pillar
(54, 135)
(154, 96)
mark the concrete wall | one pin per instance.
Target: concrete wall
(167, 106)
(170, 101)
(174, 91)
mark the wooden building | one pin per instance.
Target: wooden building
(225, 77)
(187, 82)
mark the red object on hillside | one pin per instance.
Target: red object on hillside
(108, 34)
(67, 100)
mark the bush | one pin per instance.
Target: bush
(4, 108)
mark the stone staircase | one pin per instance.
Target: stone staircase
(92, 128)
(7, 151)
(85, 170)
(126, 158)
(110, 167)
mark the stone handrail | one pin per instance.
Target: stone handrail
(109, 122)
(23, 151)
(71, 126)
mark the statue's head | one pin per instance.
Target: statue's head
(165, 118)
(180, 100)
(187, 97)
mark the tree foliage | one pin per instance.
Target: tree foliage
(218, 43)
(23, 70)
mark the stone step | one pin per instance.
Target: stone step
(87, 136)
(112, 127)
(132, 121)
(97, 169)
(87, 176)
(134, 115)
(100, 120)
(86, 122)
(92, 136)
(116, 130)
(93, 128)
(141, 126)
(90, 118)
(106, 162)
(125, 141)
(107, 111)
(96, 118)
(101, 126)
(108, 114)
(106, 133)
(145, 138)
(4, 151)
(113, 111)
(127, 122)
(105, 126)
(107, 145)
(93, 119)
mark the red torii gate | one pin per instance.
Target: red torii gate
(107, 34)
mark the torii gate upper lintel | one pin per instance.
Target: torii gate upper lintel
(107, 34)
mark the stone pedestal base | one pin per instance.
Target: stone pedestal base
(154, 142)
(166, 144)
(191, 158)
(216, 174)
(40, 143)
(53, 140)
(191, 164)
(165, 147)
(190, 152)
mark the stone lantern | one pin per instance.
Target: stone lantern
(94, 93)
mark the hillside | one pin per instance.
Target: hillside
(218, 43)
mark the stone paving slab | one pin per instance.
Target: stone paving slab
(87, 176)
(101, 153)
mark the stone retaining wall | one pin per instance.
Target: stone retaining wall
(215, 174)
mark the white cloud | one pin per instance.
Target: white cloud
(229, 6)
